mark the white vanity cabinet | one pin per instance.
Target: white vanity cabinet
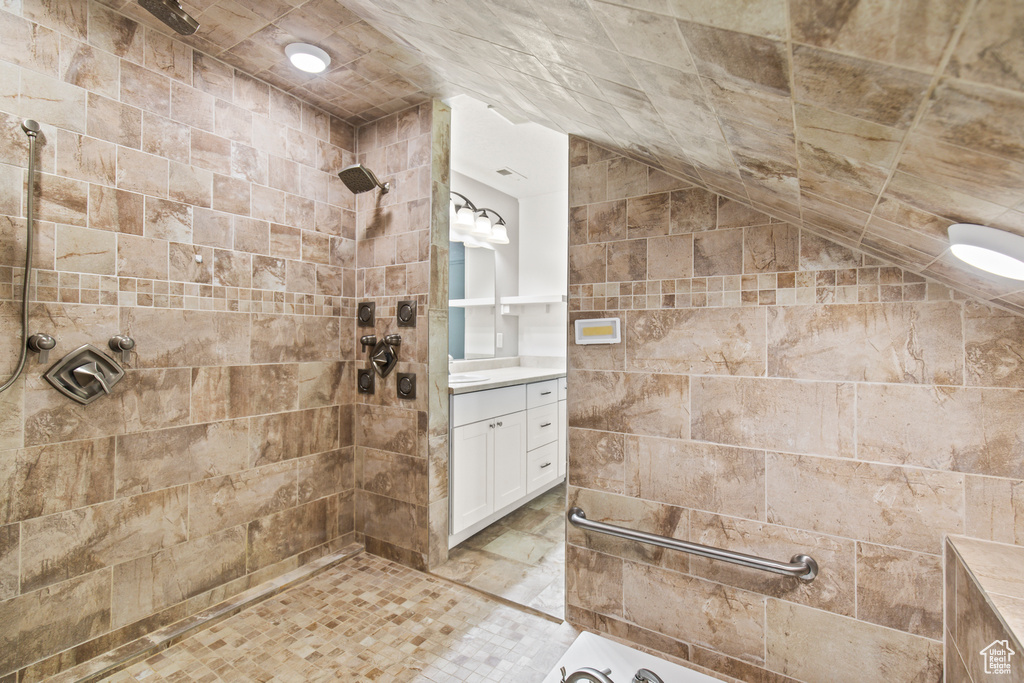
(507, 447)
(563, 429)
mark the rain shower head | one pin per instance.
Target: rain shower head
(359, 179)
(171, 13)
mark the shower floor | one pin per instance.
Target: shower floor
(368, 619)
(520, 558)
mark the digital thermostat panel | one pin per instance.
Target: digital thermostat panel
(598, 331)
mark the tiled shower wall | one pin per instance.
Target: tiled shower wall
(197, 210)
(402, 444)
(776, 394)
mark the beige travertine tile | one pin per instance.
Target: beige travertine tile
(719, 252)
(68, 544)
(995, 509)
(61, 199)
(397, 476)
(631, 402)
(242, 390)
(223, 502)
(55, 102)
(703, 613)
(145, 89)
(148, 584)
(29, 45)
(594, 580)
(963, 430)
(284, 436)
(325, 474)
(918, 343)
(832, 590)
(153, 460)
(36, 624)
(281, 338)
(289, 532)
(852, 651)
(991, 341)
(903, 507)
(47, 479)
(770, 413)
(699, 475)
(141, 257)
(900, 589)
(392, 521)
(670, 257)
(586, 264)
(882, 94)
(597, 460)
(150, 399)
(10, 539)
(115, 210)
(987, 51)
(387, 429)
(84, 250)
(688, 341)
(771, 248)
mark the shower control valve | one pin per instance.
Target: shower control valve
(42, 344)
(368, 340)
(122, 344)
(393, 339)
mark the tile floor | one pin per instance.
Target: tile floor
(368, 619)
(521, 557)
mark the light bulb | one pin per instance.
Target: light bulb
(308, 58)
(993, 251)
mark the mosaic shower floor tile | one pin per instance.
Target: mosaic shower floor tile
(368, 619)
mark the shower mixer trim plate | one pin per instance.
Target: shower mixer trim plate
(85, 374)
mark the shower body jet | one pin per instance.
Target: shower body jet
(359, 179)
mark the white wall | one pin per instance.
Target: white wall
(544, 244)
(543, 269)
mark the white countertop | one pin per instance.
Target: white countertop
(505, 377)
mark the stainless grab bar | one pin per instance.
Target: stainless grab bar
(802, 567)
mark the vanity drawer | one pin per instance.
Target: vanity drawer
(481, 405)
(541, 426)
(541, 466)
(541, 393)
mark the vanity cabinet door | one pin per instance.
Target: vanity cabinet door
(472, 497)
(509, 459)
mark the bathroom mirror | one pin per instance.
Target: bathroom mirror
(471, 305)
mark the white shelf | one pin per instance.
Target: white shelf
(469, 303)
(533, 299)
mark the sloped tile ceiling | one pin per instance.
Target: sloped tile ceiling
(874, 123)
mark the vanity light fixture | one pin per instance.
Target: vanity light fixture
(308, 58)
(989, 249)
(474, 226)
(496, 233)
(462, 216)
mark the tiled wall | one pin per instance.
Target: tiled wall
(776, 394)
(975, 629)
(196, 209)
(401, 444)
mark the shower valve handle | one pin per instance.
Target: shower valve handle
(42, 344)
(368, 340)
(393, 339)
(122, 344)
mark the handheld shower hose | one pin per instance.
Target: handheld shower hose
(31, 129)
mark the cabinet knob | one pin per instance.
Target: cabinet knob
(499, 424)
(491, 425)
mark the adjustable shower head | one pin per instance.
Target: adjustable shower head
(359, 179)
(171, 13)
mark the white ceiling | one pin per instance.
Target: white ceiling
(483, 141)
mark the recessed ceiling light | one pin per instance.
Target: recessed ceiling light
(994, 251)
(308, 58)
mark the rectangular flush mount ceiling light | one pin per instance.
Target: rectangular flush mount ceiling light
(598, 331)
